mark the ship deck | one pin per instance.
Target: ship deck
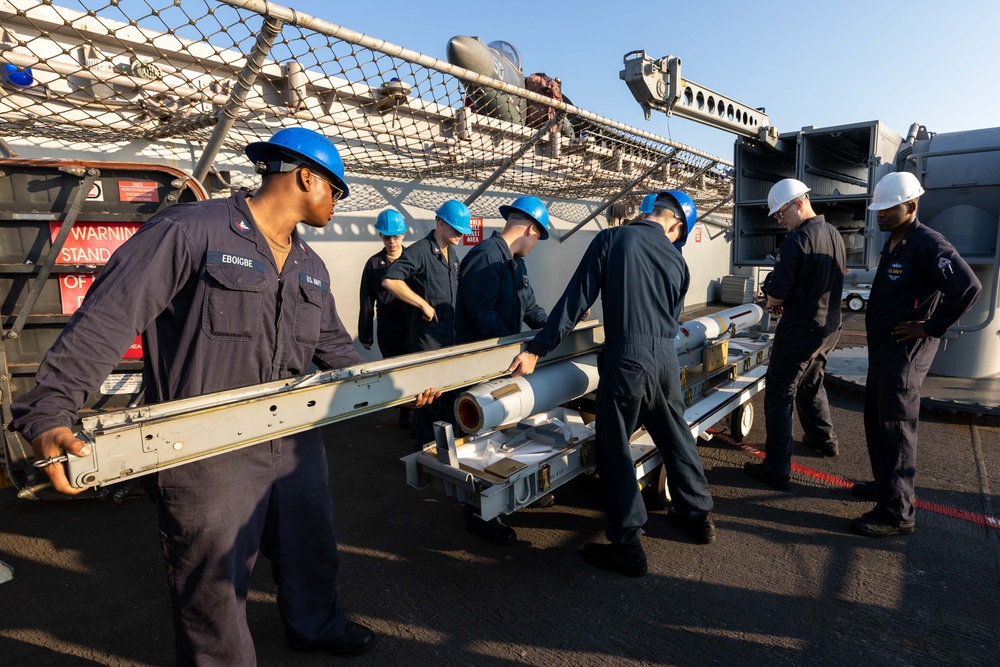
(787, 583)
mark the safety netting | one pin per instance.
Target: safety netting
(210, 76)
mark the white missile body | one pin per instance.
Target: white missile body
(693, 335)
(490, 405)
(508, 400)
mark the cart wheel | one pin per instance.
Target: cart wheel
(741, 421)
(855, 303)
(661, 495)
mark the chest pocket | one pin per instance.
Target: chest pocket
(897, 271)
(308, 313)
(234, 303)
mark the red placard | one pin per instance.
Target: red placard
(697, 234)
(477, 232)
(139, 191)
(90, 243)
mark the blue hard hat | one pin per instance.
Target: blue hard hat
(647, 203)
(533, 208)
(679, 202)
(21, 77)
(390, 222)
(300, 143)
(456, 214)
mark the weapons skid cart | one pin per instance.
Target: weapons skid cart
(530, 435)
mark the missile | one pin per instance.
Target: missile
(493, 404)
(695, 333)
(504, 401)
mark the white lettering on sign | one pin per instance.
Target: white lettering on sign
(122, 383)
(239, 261)
(477, 232)
(92, 242)
(84, 256)
(138, 191)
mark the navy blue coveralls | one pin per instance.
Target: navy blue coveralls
(494, 294)
(379, 303)
(435, 279)
(809, 275)
(922, 279)
(199, 282)
(642, 279)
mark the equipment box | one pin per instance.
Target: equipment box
(840, 165)
(759, 166)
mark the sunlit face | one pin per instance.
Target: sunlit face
(529, 240)
(323, 196)
(449, 234)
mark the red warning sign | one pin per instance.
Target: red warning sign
(138, 191)
(477, 232)
(90, 243)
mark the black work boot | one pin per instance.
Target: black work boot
(702, 529)
(548, 500)
(873, 525)
(493, 531)
(354, 640)
(757, 471)
(628, 559)
(824, 448)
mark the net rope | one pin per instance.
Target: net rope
(158, 73)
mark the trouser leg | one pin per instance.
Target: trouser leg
(211, 516)
(617, 413)
(901, 369)
(300, 541)
(895, 459)
(669, 429)
(872, 417)
(789, 360)
(811, 402)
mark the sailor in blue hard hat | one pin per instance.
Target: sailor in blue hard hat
(227, 295)
(377, 303)
(426, 278)
(641, 277)
(495, 298)
(683, 209)
(381, 315)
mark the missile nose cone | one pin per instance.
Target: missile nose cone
(470, 53)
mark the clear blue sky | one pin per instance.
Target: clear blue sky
(809, 63)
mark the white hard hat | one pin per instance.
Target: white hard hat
(783, 192)
(895, 188)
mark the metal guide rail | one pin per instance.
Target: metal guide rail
(129, 443)
(558, 447)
